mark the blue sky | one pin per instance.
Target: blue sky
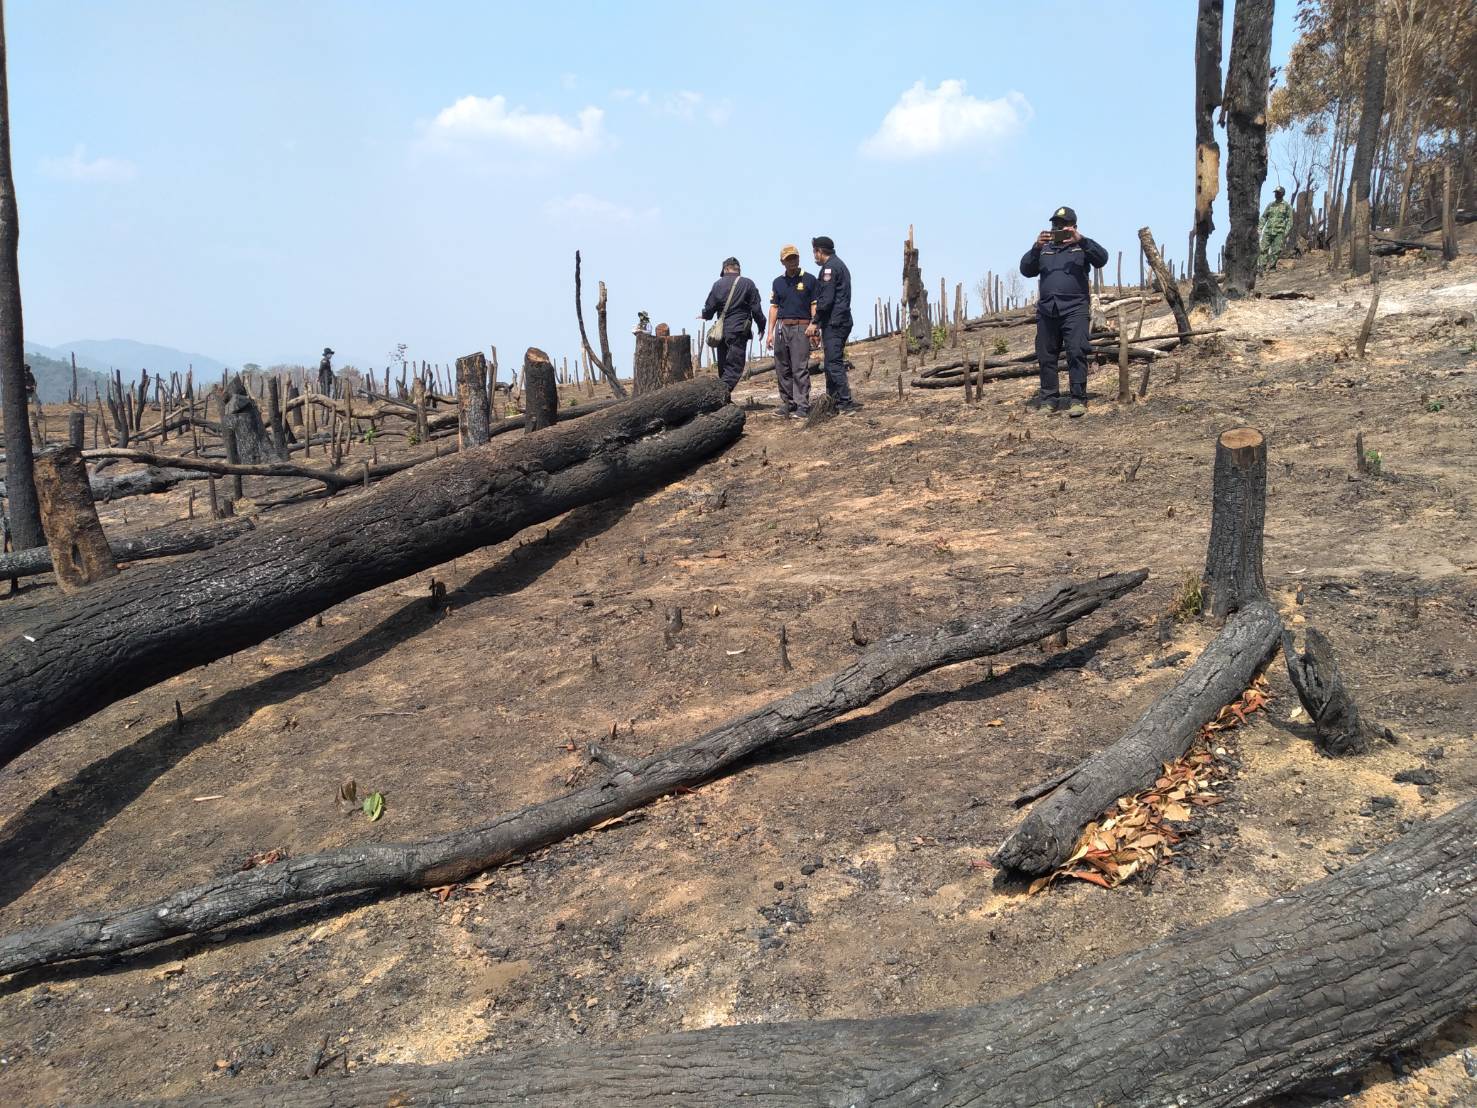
(256, 180)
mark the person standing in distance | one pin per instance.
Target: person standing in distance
(325, 373)
(791, 314)
(1062, 258)
(1276, 222)
(833, 321)
(737, 298)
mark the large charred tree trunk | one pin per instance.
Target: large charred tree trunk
(630, 784)
(79, 550)
(475, 423)
(243, 428)
(920, 330)
(1233, 560)
(1203, 287)
(1325, 979)
(1248, 75)
(661, 362)
(1371, 113)
(20, 487)
(80, 654)
(540, 391)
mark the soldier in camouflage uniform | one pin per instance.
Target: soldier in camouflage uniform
(1276, 222)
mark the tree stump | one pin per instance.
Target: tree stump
(80, 553)
(295, 411)
(916, 296)
(1337, 727)
(76, 430)
(1233, 561)
(661, 362)
(274, 420)
(540, 391)
(242, 426)
(474, 424)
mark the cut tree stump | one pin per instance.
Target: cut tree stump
(1045, 839)
(660, 362)
(74, 538)
(475, 424)
(67, 658)
(1233, 560)
(241, 425)
(162, 542)
(540, 391)
(1321, 980)
(1337, 726)
(453, 857)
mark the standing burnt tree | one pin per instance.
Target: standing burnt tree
(1203, 289)
(604, 362)
(1370, 114)
(20, 485)
(920, 332)
(1248, 75)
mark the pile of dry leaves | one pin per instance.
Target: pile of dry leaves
(1135, 834)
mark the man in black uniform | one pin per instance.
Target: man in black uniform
(1062, 258)
(737, 298)
(325, 373)
(791, 312)
(833, 320)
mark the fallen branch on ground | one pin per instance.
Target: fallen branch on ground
(163, 542)
(452, 857)
(1322, 980)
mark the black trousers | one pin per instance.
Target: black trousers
(1054, 333)
(729, 357)
(834, 333)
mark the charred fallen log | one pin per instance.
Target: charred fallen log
(1044, 840)
(394, 866)
(1322, 980)
(163, 542)
(71, 658)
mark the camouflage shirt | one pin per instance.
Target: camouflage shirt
(1277, 218)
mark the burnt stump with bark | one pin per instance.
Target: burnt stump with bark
(540, 391)
(1337, 726)
(661, 361)
(1233, 559)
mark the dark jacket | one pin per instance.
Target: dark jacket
(745, 306)
(833, 301)
(1064, 273)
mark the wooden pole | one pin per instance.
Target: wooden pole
(1125, 389)
(1448, 216)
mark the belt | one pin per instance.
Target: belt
(794, 323)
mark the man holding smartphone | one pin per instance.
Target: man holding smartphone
(1062, 258)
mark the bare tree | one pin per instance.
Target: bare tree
(1248, 75)
(1204, 289)
(20, 482)
(1371, 111)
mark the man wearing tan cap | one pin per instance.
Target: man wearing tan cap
(791, 311)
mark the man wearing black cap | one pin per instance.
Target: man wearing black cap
(737, 299)
(833, 321)
(1062, 258)
(325, 373)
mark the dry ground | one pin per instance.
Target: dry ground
(836, 877)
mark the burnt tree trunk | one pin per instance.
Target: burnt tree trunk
(540, 391)
(162, 542)
(242, 427)
(274, 420)
(83, 653)
(1203, 286)
(1325, 979)
(1166, 279)
(1248, 76)
(1233, 560)
(79, 550)
(77, 430)
(660, 362)
(1371, 113)
(471, 391)
(1337, 726)
(1045, 839)
(632, 783)
(24, 508)
(920, 333)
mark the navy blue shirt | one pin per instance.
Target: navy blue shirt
(793, 296)
(833, 298)
(743, 307)
(1064, 273)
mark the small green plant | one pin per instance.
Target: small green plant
(912, 345)
(1434, 405)
(940, 336)
(1373, 463)
(1000, 347)
(1187, 605)
(413, 438)
(369, 437)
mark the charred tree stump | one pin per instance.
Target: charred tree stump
(1203, 287)
(1044, 840)
(660, 362)
(1166, 279)
(117, 638)
(275, 421)
(77, 430)
(540, 391)
(79, 549)
(1233, 560)
(1337, 726)
(475, 426)
(1325, 979)
(916, 297)
(294, 411)
(392, 866)
(162, 542)
(1248, 73)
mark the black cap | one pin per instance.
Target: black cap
(1278, 191)
(732, 263)
(823, 242)
(327, 351)
(1065, 216)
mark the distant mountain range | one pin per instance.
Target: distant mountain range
(104, 355)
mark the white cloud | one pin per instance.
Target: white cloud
(595, 209)
(928, 121)
(77, 167)
(475, 118)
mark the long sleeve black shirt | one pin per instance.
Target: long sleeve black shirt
(833, 300)
(1064, 273)
(746, 305)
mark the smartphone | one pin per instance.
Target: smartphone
(1060, 234)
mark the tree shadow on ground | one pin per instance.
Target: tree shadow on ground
(55, 825)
